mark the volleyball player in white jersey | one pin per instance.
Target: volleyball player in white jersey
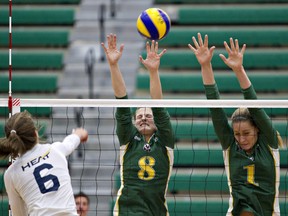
(38, 182)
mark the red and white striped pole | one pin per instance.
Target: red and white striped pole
(10, 74)
(10, 60)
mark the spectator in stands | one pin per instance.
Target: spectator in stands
(82, 203)
(146, 147)
(38, 180)
(250, 145)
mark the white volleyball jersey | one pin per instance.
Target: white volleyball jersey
(39, 184)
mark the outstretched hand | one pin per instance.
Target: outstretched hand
(112, 53)
(235, 57)
(201, 50)
(82, 133)
(152, 61)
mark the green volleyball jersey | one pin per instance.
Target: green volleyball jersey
(144, 173)
(253, 179)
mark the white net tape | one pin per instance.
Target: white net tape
(148, 103)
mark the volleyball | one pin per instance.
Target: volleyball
(153, 24)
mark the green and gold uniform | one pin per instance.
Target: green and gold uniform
(253, 179)
(145, 172)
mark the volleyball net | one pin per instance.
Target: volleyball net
(198, 184)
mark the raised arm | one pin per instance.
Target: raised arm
(152, 63)
(261, 119)
(204, 56)
(71, 142)
(235, 62)
(113, 55)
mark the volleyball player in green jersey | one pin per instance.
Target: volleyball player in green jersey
(250, 144)
(146, 146)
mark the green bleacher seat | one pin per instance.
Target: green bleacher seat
(199, 183)
(213, 157)
(196, 183)
(262, 36)
(2, 185)
(242, 15)
(35, 111)
(203, 131)
(4, 207)
(185, 82)
(22, 83)
(33, 59)
(35, 37)
(197, 157)
(253, 59)
(216, 1)
(39, 16)
(184, 207)
(4, 162)
(193, 130)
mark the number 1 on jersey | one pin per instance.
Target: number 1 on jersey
(251, 174)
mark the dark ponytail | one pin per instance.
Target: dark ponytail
(21, 135)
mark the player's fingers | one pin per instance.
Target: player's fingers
(104, 48)
(148, 47)
(227, 47)
(243, 49)
(192, 48)
(200, 41)
(156, 47)
(212, 49)
(141, 59)
(162, 53)
(114, 41)
(84, 137)
(232, 44)
(236, 45)
(153, 46)
(121, 48)
(206, 40)
(223, 58)
(110, 41)
(195, 42)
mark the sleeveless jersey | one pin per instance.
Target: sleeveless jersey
(144, 173)
(253, 179)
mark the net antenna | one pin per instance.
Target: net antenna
(10, 74)
(11, 102)
(10, 60)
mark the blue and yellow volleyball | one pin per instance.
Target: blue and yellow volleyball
(153, 24)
